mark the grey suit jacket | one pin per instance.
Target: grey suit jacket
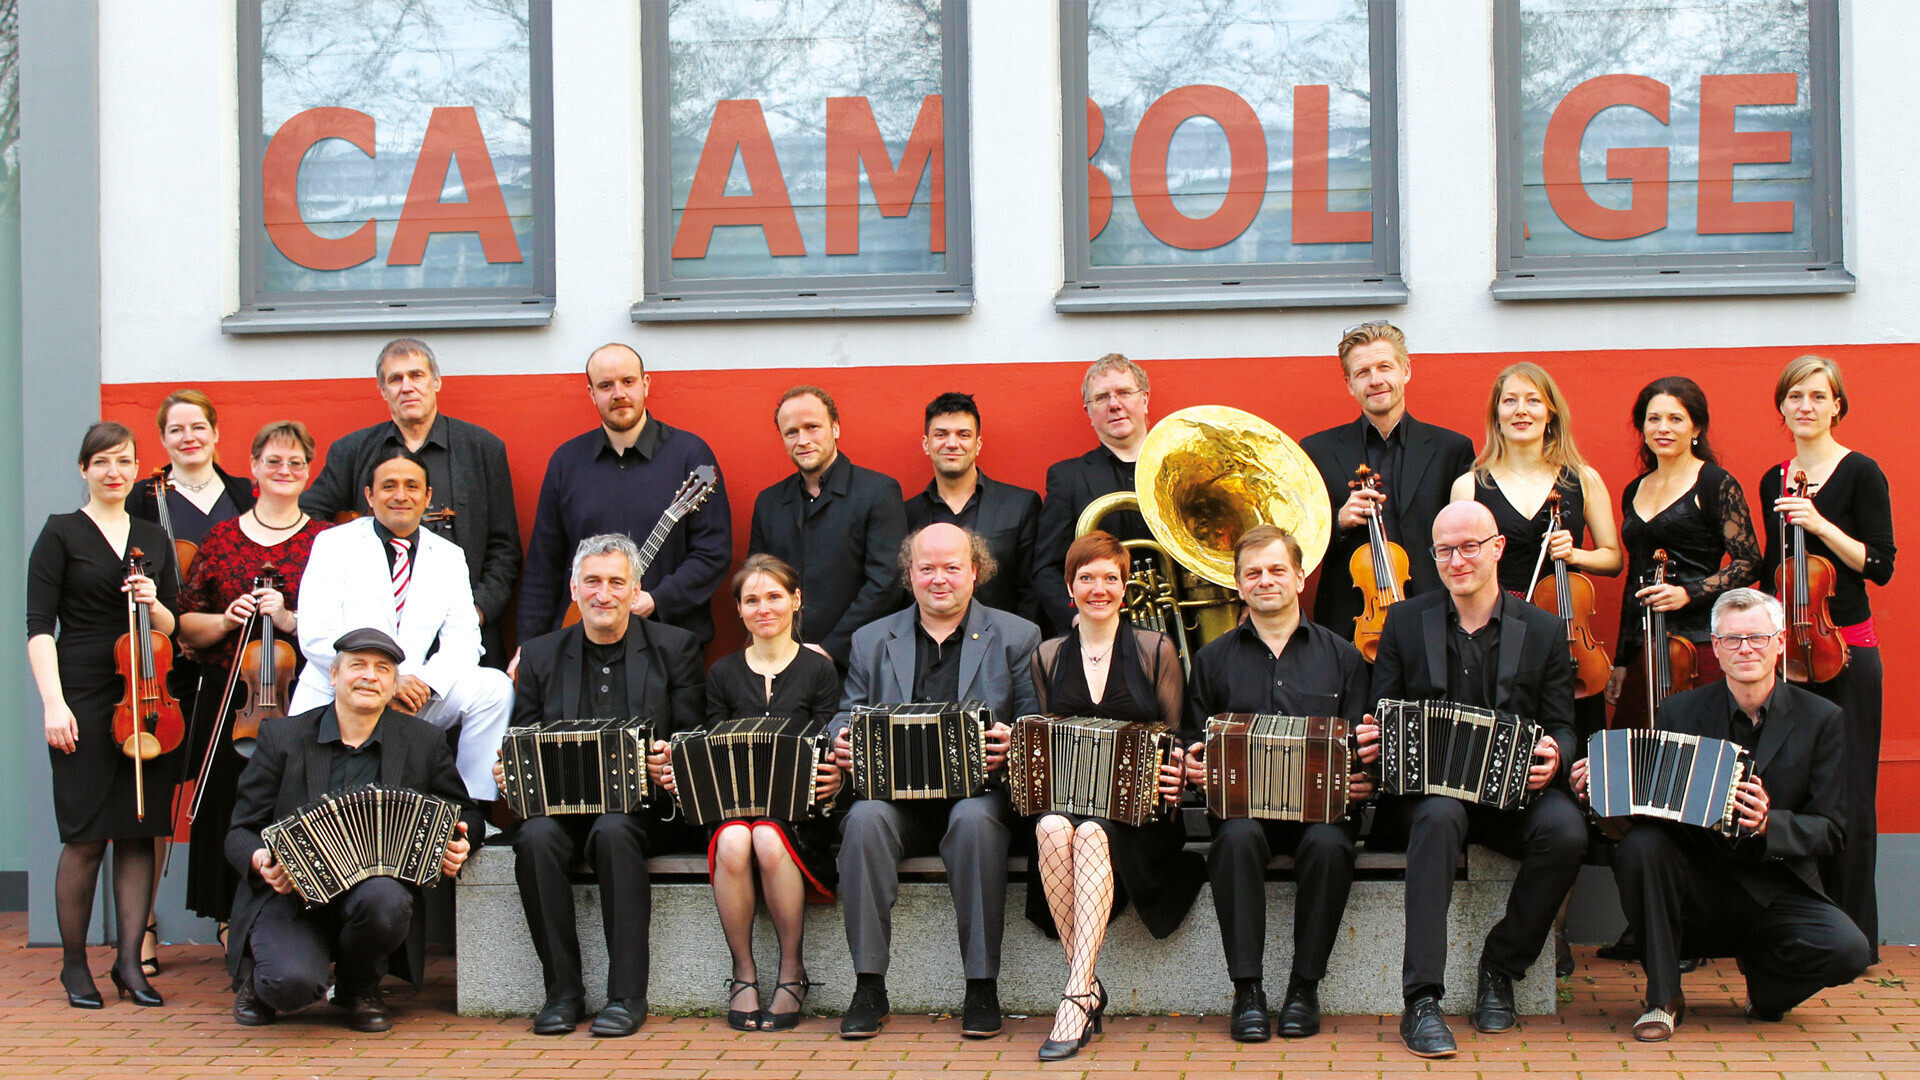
(996, 663)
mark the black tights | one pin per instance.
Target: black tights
(133, 866)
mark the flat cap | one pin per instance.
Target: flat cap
(367, 639)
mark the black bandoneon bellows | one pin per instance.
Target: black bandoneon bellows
(1446, 748)
(923, 750)
(760, 767)
(1277, 768)
(1633, 772)
(1087, 766)
(331, 845)
(576, 767)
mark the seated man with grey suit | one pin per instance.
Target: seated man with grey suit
(944, 648)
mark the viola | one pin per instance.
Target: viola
(1569, 594)
(1379, 571)
(147, 721)
(1805, 584)
(266, 664)
(184, 551)
(1668, 663)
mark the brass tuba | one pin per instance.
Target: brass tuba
(1206, 475)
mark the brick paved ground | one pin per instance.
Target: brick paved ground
(1871, 1028)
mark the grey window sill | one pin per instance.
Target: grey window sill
(1591, 284)
(1184, 296)
(944, 301)
(426, 315)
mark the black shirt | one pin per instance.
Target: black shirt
(1742, 728)
(351, 766)
(940, 512)
(936, 664)
(603, 680)
(1318, 673)
(433, 451)
(1855, 499)
(1473, 676)
(1385, 455)
(386, 542)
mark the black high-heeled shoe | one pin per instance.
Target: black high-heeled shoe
(141, 995)
(797, 990)
(150, 965)
(741, 1019)
(88, 996)
(1062, 1049)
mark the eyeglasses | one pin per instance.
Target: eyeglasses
(1736, 642)
(1467, 550)
(275, 464)
(1102, 400)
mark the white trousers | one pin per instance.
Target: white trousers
(480, 701)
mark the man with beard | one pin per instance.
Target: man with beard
(960, 493)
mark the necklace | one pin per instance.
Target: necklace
(299, 519)
(1095, 659)
(194, 488)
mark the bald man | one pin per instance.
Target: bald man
(1476, 645)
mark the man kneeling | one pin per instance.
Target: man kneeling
(279, 950)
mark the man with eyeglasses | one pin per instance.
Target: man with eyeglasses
(1114, 393)
(1476, 645)
(1689, 891)
(1416, 463)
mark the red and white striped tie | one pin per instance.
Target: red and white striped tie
(402, 574)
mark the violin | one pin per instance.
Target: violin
(184, 551)
(1569, 594)
(1815, 650)
(1659, 671)
(1379, 571)
(266, 665)
(147, 721)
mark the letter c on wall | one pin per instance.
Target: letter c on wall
(280, 181)
(1246, 186)
(1646, 166)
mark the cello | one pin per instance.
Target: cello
(1569, 594)
(1661, 671)
(1815, 650)
(1379, 571)
(147, 721)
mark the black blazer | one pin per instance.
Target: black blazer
(1433, 458)
(1800, 758)
(1535, 680)
(664, 679)
(1009, 519)
(485, 524)
(289, 769)
(1071, 485)
(846, 545)
(142, 504)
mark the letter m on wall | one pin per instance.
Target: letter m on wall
(853, 139)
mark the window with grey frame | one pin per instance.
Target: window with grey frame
(1668, 148)
(805, 160)
(1229, 154)
(396, 164)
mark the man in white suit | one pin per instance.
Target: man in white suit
(388, 573)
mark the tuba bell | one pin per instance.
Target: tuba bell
(1206, 475)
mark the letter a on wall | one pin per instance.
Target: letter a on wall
(453, 134)
(738, 126)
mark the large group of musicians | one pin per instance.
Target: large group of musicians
(316, 628)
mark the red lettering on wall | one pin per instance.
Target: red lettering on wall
(1246, 186)
(1313, 223)
(1099, 188)
(453, 134)
(1646, 166)
(280, 182)
(1721, 148)
(853, 137)
(738, 126)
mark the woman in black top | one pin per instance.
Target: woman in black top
(1848, 521)
(1685, 503)
(1090, 867)
(77, 586)
(1530, 454)
(774, 676)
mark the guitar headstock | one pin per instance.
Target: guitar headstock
(693, 491)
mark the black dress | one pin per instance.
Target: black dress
(1709, 523)
(1855, 498)
(808, 690)
(1151, 868)
(73, 592)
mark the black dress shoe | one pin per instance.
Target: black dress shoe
(248, 1009)
(868, 1011)
(367, 1010)
(1300, 1014)
(1493, 1008)
(980, 1012)
(1248, 1019)
(620, 1018)
(559, 1017)
(1764, 1016)
(1425, 1030)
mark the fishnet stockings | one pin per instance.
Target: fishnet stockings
(1076, 870)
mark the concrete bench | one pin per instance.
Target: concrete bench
(499, 974)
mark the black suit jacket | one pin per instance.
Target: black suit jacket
(664, 678)
(1433, 458)
(1800, 760)
(485, 523)
(290, 769)
(1534, 679)
(1071, 485)
(846, 545)
(1009, 519)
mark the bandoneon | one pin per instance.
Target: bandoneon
(760, 767)
(1278, 768)
(576, 767)
(924, 750)
(1090, 767)
(341, 840)
(1446, 748)
(1668, 775)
